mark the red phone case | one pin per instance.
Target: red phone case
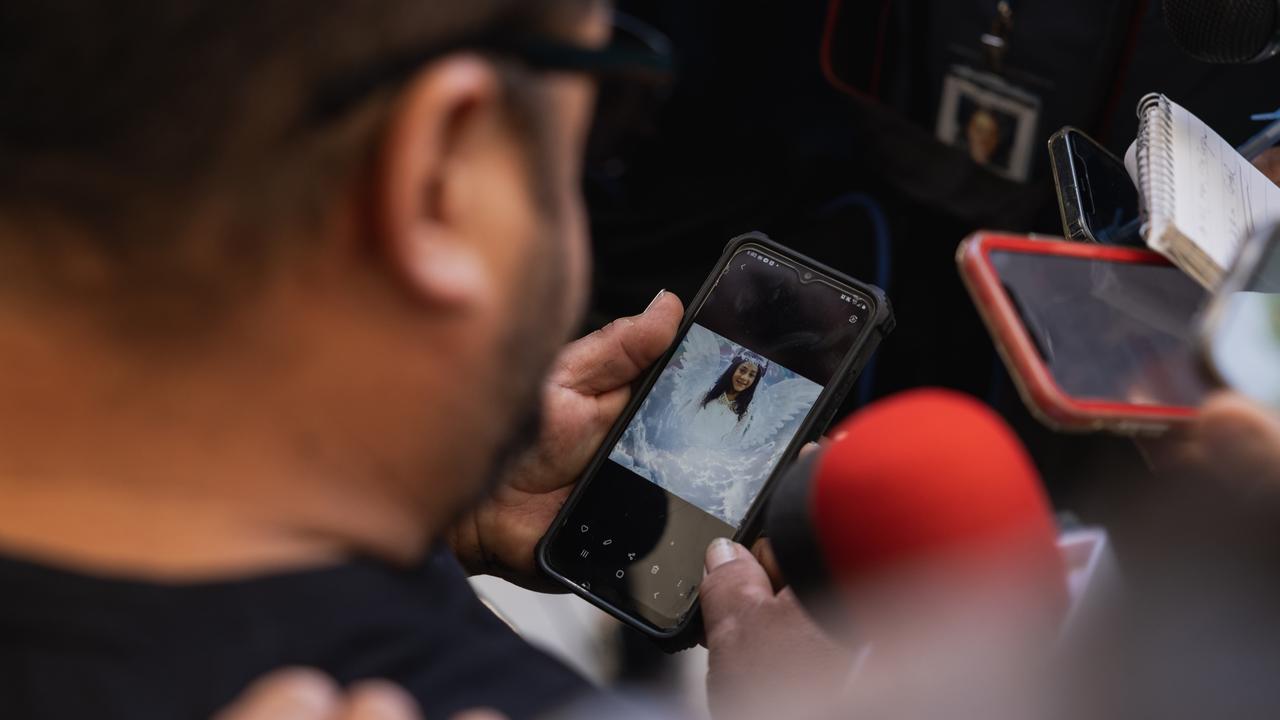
(1036, 384)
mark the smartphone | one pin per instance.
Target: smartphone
(763, 358)
(1241, 329)
(1095, 337)
(1096, 196)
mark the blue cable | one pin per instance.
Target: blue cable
(884, 265)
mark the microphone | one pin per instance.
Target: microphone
(1225, 31)
(931, 485)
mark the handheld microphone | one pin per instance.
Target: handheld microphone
(930, 480)
(1225, 31)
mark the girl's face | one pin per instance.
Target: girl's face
(745, 376)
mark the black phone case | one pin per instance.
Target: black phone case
(1074, 226)
(882, 322)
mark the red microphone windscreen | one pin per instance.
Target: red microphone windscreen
(923, 477)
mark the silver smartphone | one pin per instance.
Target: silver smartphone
(1241, 327)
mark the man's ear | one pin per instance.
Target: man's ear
(423, 148)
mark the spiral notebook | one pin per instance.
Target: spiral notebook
(1201, 200)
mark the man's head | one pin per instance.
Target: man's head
(376, 286)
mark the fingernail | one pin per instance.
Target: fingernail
(720, 552)
(654, 301)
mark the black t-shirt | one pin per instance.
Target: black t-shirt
(77, 646)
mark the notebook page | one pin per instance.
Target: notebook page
(1222, 199)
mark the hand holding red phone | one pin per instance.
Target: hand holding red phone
(1234, 441)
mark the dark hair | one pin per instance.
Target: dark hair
(725, 384)
(121, 118)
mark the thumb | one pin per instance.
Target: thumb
(735, 583)
(1241, 438)
(615, 355)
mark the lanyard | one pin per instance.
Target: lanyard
(995, 44)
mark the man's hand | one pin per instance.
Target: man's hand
(305, 694)
(765, 652)
(585, 392)
(1233, 440)
(1269, 163)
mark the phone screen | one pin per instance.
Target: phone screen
(1109, 331)
(1245, 344)
(1108, 199)
(698, 450)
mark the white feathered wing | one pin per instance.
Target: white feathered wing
(774, 407)
(699, 366)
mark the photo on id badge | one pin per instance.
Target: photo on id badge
(991, 119)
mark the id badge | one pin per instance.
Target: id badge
(991, 119)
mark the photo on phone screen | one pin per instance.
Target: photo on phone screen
(715, 424)
(744, 380)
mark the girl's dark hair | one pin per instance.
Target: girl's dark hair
(725, 384)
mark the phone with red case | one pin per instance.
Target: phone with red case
(1095, 337)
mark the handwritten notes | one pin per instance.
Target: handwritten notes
(1221, 198)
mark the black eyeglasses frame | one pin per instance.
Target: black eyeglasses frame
(637, 53)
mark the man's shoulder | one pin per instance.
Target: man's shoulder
(436, 638)
(195, 646)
